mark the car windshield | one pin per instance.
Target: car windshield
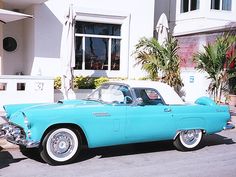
(110, 93)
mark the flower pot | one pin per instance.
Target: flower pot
(232, 100)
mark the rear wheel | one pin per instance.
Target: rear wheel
(188, 140)
(61, 146)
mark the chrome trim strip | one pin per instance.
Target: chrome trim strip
(101, 114)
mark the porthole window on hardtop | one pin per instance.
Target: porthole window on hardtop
(97, 46)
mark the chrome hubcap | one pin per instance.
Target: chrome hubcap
(62, 144)
(190, 137)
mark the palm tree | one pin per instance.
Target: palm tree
(215, 61)
(160, 62)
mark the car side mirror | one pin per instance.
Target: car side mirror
(139, 102)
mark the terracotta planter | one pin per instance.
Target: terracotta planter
(232, 100)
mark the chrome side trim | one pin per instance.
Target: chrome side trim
(101, 114)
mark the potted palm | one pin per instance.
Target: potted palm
(216, 62)
(161, 62)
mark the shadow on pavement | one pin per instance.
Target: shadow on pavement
(141, 148)
(6, 159)
(215, 139)
(123, 150)
(32, 153)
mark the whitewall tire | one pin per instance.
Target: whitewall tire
(61, 146)
(188, 140)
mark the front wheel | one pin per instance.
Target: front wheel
(188, 140)
(61, 146)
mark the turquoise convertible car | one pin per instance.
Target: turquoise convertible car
(116, 113)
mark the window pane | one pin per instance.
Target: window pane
(3, 86)
(97, 28)
(20, 86)
(78, 53)
(215, 4)
(115, 54)
(149, 96)
(184, 6)
(96, 53)
(194, 4)
(226, 5)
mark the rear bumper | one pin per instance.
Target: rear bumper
(229, 126)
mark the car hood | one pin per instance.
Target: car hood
(60, 105)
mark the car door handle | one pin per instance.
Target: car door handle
(167, 110)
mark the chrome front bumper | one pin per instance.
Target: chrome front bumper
(16, 135)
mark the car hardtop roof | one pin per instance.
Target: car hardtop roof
(168, 93)
(141, 83)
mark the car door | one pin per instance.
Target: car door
(108, 120)
(150, 120)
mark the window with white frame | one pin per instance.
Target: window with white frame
(97, 46)
(189, 5)
(221, 5)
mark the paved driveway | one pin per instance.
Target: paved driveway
(217, 158)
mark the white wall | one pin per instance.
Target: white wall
(13, 61)
(195, 84)
(203, 19)
(29, 42)
(37, 90)
(48, 31)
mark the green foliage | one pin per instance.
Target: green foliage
(57, 83)
(162, 63)
(81, 82)
(214, 60)
(99, 81)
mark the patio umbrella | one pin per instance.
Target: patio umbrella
(8, 16)
(162, 29)
(68, 51)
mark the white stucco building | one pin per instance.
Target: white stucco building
(106, 33)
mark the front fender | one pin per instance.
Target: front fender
(13, 108)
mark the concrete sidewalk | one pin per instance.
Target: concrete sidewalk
(6, 145)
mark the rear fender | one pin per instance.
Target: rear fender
(206, 101)
(190, 124)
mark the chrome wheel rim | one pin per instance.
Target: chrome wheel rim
(190, 138)
(62, 144)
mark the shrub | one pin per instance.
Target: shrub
(81, 82)
(99, 81)
(57, 82)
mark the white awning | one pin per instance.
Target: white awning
(8, 16)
